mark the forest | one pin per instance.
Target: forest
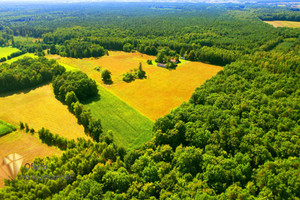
(236, 138)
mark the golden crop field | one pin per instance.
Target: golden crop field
(155, 96)
(290, 24)
(39, 108)
(26, 145)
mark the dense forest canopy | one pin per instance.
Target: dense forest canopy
(222, 29)
(236, 138)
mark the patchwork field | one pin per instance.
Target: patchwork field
(6, 51)
(39, 108)
(130, 128)
(155, 96)
(5, 128)
(25, 145)
(290, 24)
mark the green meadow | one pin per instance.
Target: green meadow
(130, 128)
(6, 51)
(6, 128)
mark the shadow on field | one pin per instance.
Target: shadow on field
(93, 99)
(23, 91)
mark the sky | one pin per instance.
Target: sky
(74, 1)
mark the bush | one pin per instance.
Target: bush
(137, 73)
(106, 78)
(128, 77)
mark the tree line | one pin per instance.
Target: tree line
(27, 72)
(72, 88)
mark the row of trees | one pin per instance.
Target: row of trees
(73, 87)
(2, 59)
(27, 72)
(281, 14)
(55, 140)
(79, 49)
(15, 54)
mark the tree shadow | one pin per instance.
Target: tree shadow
(92, 99)
(23, 91)
(108, 82)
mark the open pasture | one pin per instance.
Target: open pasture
(290, 24)
(155, 96)
(39, 108)
(26, 145)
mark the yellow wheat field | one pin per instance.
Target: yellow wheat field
(155, 96)
(26, 145)
(290, 24)
(39, 108)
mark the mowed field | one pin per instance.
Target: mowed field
(155, 96)
(130, 128)
(6, 51)
(290, 24)
(26, 145)
(39, 108)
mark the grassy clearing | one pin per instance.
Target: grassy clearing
(6, 128)
(6, 51)
(39, 108)
(130, 128)
(69, 68)
(155, 96)
(29, 146)
(290, 24)
(20, 57)
(26, 39)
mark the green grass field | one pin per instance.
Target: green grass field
(6, 128)
(6, 51)
(23, 39)
(130, 128)
(68, 67)
(20, 57)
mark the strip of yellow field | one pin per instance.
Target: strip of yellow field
(290, 24)
(25, 145)
(155, 96)
(39, 108)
